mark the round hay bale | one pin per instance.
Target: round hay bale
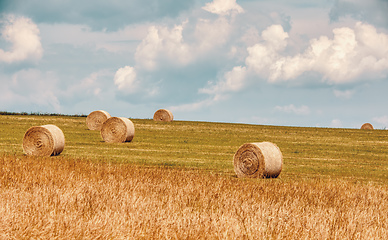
(117, 130)
(163, 115)
(95, 119)
(258, 160)
(46, 140)
(367, 126)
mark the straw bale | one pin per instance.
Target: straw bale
(117, 130)
(46, 140)
(367, 126)
(258, 160)
(95, 119)
(163, 115)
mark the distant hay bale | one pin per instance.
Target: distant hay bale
(95, 119)
(258, 160)
(46, 140)
(117, 130)
(163, 115)
(367, 126)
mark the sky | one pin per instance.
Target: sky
(302, 63)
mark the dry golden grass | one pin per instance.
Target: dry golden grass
(63, 198)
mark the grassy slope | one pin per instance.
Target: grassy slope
(357, 155)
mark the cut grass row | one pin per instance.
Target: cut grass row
(352, 154)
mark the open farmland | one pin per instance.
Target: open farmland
(359, 155)
(176, 180)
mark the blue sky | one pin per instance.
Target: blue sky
(293, 63)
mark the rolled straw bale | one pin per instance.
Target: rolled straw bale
(163, 115)
(117, 130)
(95, 119)
(46, 140)
(258, 160)
(367, 126)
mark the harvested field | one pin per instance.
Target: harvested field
(362, 155)
(176, 180)
(74, 198)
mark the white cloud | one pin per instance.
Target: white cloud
(160, 44)
(275, 37)
(223, 7)
(302, 110)
(210, 34)
(125, 79)
(262, 57)
(250, 37)
(351, 55)
(23, 34)
(232, 81)
(167, 47)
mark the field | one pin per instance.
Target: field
(176, 181)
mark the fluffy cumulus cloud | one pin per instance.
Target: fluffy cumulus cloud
(162, 44)
(231, 81)
(223, 7)
(351, 55)
(211, 34)
(262, 57)
(125, 79)
(168, 48)
(23, 35)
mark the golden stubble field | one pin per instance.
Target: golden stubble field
(163, 195)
